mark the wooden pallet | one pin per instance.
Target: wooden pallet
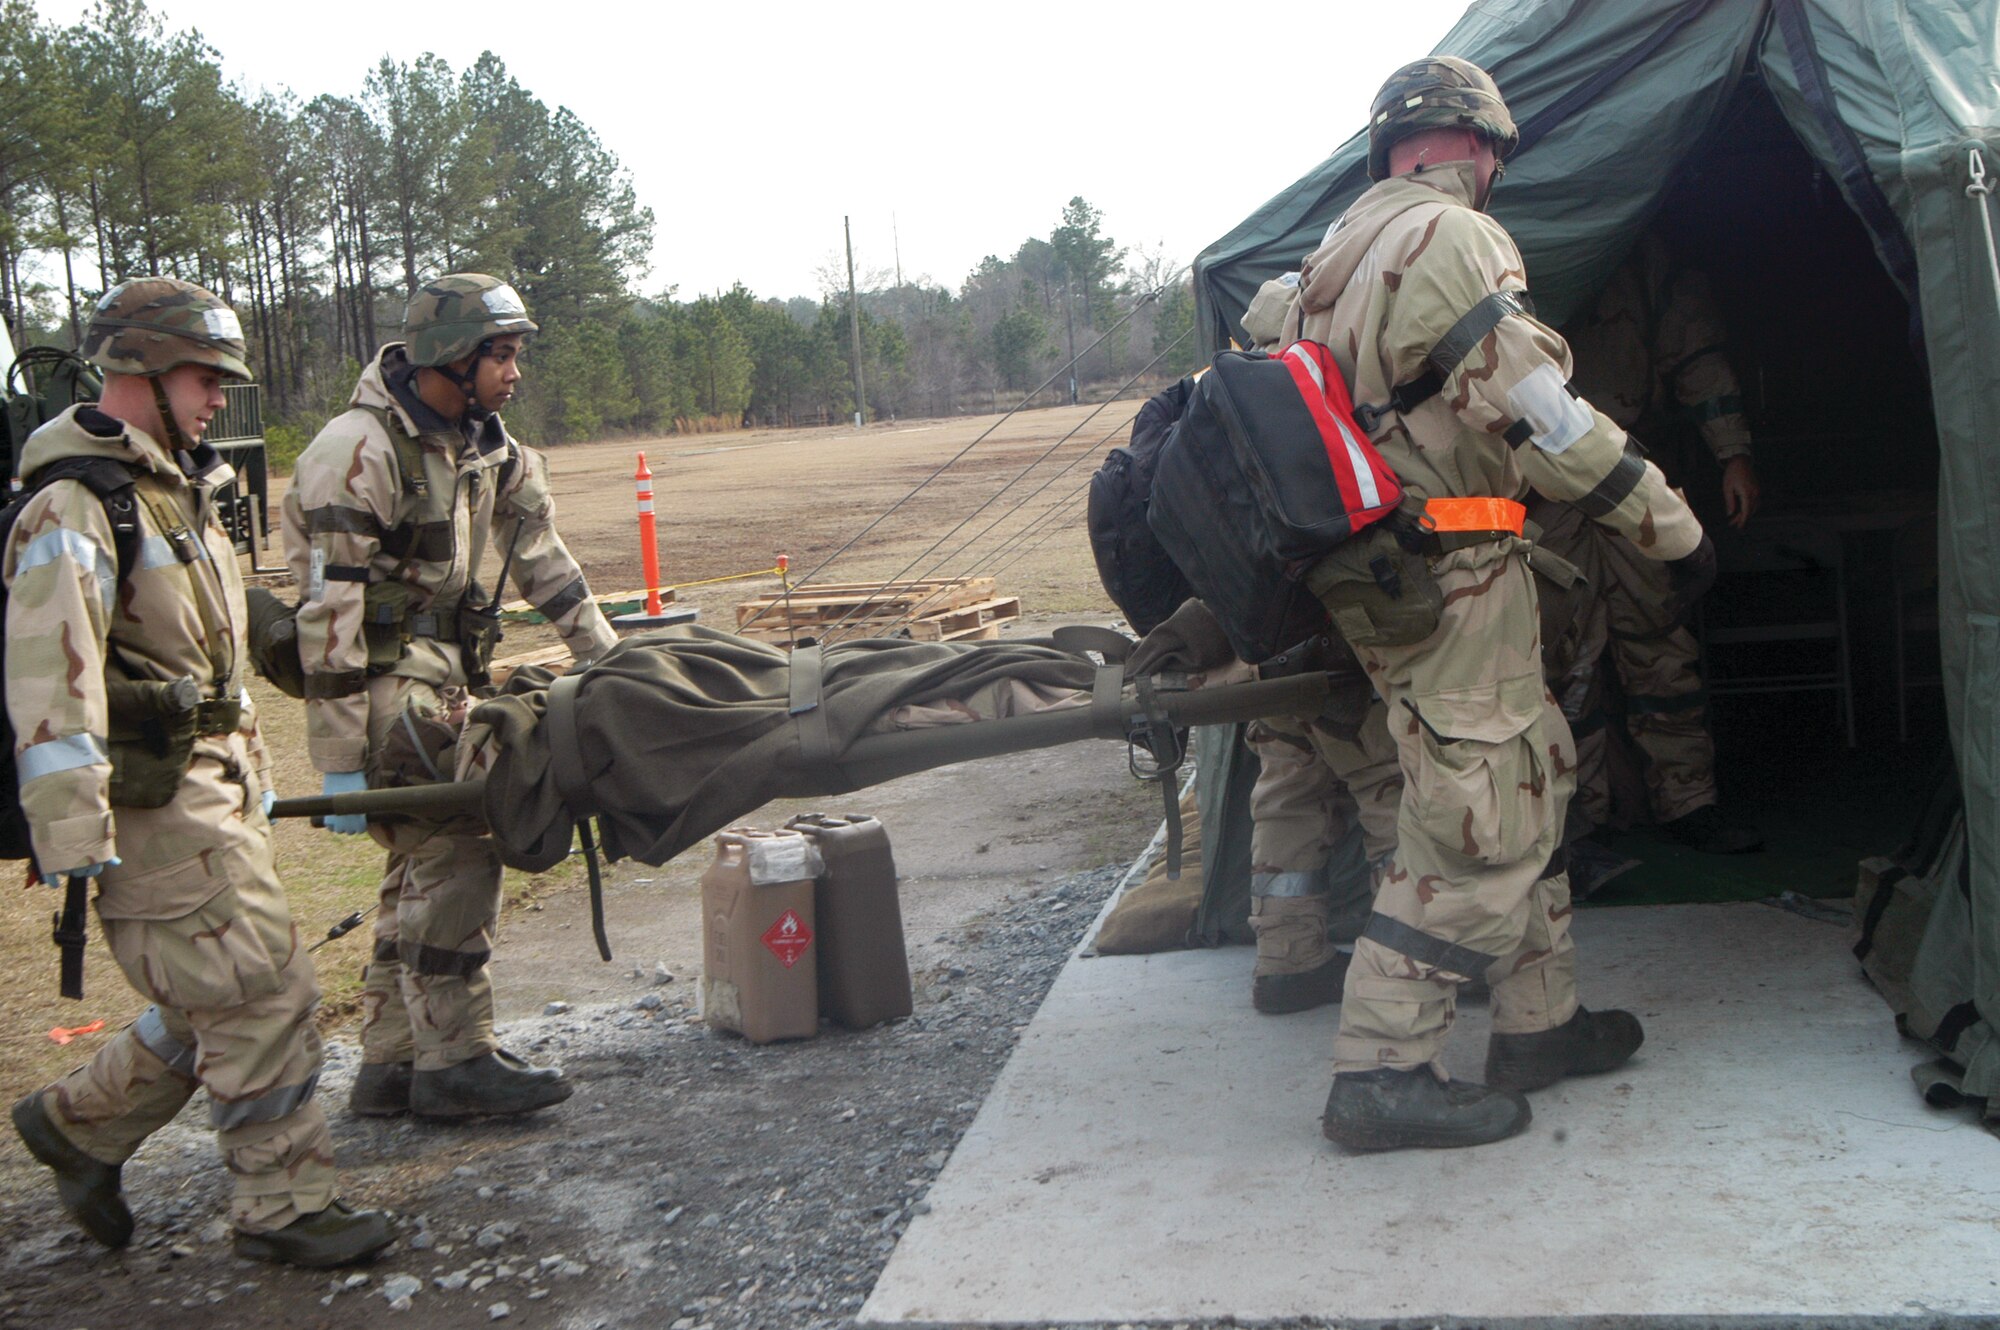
(981, 621)
(554, 658)
(929, 610)
(832, 602)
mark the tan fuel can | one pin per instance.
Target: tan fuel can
(760, 940)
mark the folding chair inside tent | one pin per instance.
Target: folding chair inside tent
(1781, 589)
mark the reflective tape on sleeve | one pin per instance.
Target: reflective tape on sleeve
(336, 684)
(79, 548)
(55, 755)
(333, 517)
(1614, 488)
(565, 600)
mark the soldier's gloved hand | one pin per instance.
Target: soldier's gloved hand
(346, 782)
(56, 879)
(270, 802)
(1692, 575)
(1190, 639)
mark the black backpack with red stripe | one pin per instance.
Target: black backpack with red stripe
(1265, 472)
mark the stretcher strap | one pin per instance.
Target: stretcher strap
(565, 749)
(1107, 701)
(815, 736)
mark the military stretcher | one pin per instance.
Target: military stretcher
(1135, 714)
(561, 740)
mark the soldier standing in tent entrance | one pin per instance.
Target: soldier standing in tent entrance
(391, 511)
(1650, 355)
(1476, 886)
(141, 766)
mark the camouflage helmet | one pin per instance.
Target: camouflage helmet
(1437, 92)
(147, 326)
(448, 318)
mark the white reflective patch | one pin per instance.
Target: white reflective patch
(503, 300)
(1543, 400)
(1364, 475)
(316, 579)
(223, 323)
(81, 549)
(1297, 351)
(54, 755)
(1288, 279)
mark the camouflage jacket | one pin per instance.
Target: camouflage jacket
(355, 515)
(179, 612)
(1654, 342)
(1405, 263)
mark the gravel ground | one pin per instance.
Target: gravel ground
(694, 1181)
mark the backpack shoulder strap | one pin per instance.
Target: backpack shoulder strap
(1452, 348)
(115, 484)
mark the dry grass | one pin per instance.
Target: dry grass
(727, 503)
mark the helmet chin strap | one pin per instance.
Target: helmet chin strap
(168, 425)
(468, 382)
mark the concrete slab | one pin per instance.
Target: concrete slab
(1152, 1153)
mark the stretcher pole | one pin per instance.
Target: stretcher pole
(882, 757)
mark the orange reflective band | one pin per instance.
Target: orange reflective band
(1477, 514)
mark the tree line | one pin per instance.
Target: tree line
(125, 152)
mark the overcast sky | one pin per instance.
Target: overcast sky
(947, 131)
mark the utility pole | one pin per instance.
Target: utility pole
(854, 327)
(1069, 321)
(896, 239)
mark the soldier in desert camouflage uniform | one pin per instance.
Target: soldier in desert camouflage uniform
(1475, 887)
(393, 511)
(1650, 355)
(181, 852)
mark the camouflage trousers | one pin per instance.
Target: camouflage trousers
(1488, 770)
(426, 996)
(233, 997)
(1658, 665)
(1317, 779)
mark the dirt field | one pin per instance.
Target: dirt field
(969, 839)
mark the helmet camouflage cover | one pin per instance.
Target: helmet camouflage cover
(1437, 92)
(449, 317)
(149, 325)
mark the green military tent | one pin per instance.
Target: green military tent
(1828, 162)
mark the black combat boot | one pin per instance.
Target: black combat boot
(493, 1085)
(88, 1187)
(1386, 1109)
(1711, 831)
(1281, 994)
(381, 1090)
(329, 1237)
(1586, 1044)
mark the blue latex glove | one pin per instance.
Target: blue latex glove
(346, 782)
(88, 870)
(270, 802)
